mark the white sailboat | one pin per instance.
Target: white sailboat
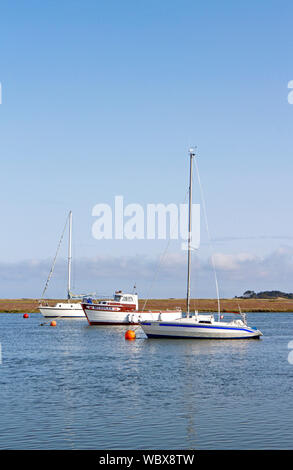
(198, 326)
(63, 309)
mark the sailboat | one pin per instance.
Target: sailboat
(198, 326)
(63, 309)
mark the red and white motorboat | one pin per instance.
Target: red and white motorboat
(123, 310)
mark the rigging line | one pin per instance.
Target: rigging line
(208, 234)
(54, 261)
(156, 273)
(161, 260)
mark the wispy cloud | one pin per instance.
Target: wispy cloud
(233, 262)
(276, 266)
(236, 270)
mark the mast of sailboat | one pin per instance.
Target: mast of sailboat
(192, 155)
(69, 257)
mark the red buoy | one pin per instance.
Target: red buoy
(26, 315)
(53, 323)
(130, 334)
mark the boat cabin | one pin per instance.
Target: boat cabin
(207, 319)
(126, 301)
(123, 298)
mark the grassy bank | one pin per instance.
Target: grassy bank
(202, 305)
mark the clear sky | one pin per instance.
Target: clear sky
(104, 98)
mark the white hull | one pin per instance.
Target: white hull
(65, 310)
(106, 317)
(188, 328)
(201, 326)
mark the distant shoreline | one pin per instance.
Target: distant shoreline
(202, 305)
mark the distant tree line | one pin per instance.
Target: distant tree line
(268, 294)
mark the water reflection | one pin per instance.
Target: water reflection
(87, 387)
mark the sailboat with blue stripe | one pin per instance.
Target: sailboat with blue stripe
(199, 326)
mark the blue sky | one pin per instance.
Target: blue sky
(104, 98)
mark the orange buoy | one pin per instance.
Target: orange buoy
(26, 315)
(130, 334)
(53, 323)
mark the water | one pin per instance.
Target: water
(81, 387)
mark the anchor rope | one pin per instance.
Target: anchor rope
(208, 234)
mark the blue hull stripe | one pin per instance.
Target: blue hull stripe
(202, 326)
(200, 337)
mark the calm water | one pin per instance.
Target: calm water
(81, 387)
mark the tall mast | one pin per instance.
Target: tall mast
(69, 257)
(192, 155)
